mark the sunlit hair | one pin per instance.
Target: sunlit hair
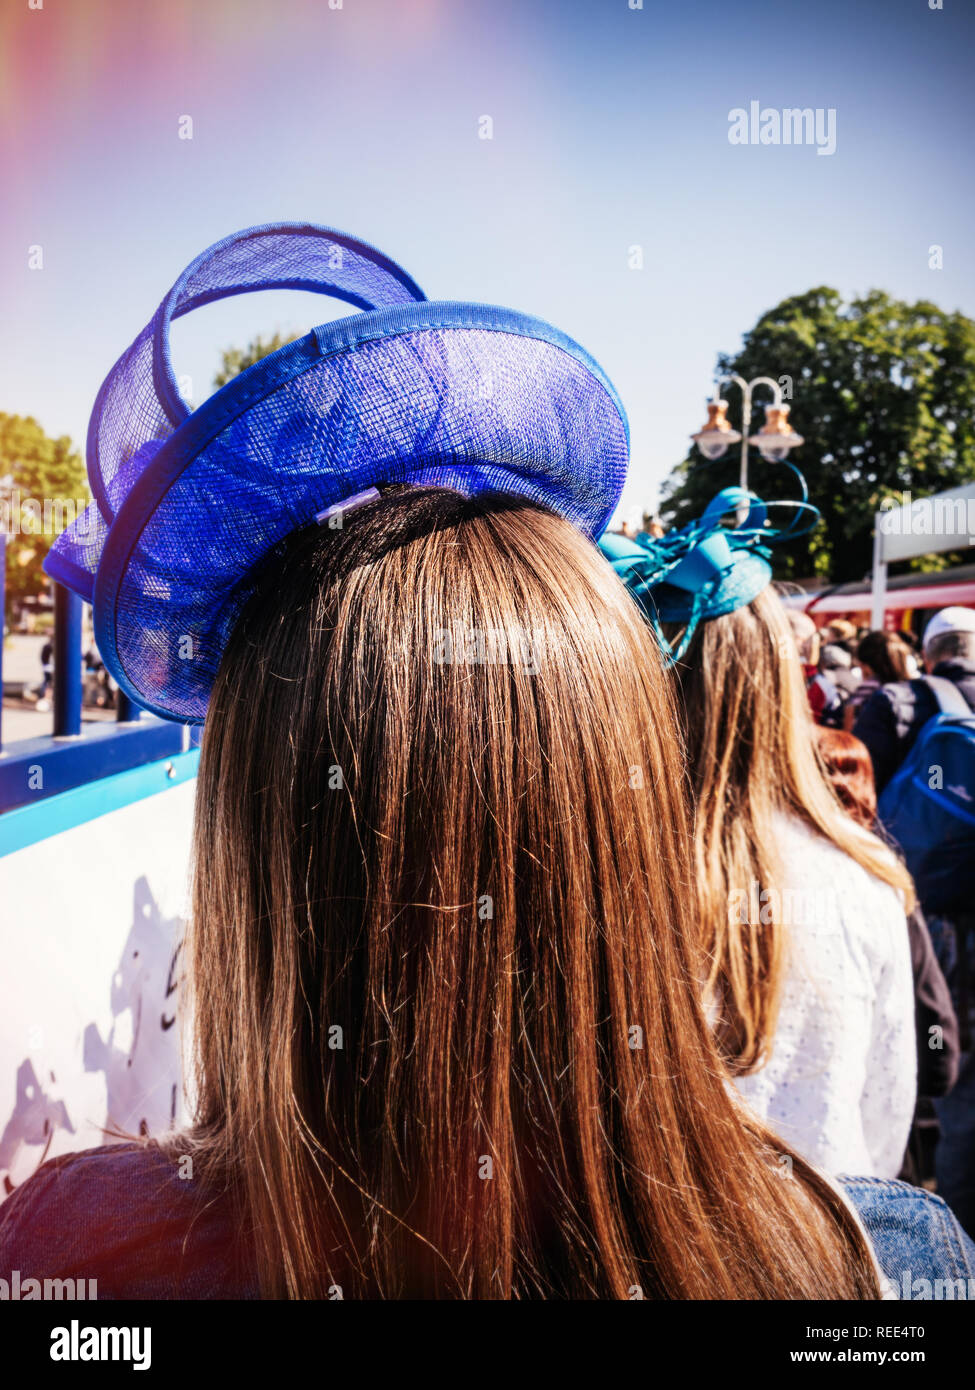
(850, 771)
(752, 754)
(444, 971)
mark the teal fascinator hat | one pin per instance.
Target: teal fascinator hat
(710, 567)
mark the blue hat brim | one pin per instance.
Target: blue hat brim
(405, 394)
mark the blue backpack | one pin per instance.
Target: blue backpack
(928, 806)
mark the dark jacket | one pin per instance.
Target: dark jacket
(890, 720)
(937, 1053)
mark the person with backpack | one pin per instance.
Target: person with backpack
(921, 736)
(881, 657)
(891, 718)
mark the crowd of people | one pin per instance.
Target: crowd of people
(547, 937)
(873, 694)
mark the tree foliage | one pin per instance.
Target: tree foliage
(49, 487)
(236, 360)
(883, 393)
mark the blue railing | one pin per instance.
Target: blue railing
(75, 753)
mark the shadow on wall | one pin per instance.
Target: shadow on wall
(139, 1057)
(34, 1120)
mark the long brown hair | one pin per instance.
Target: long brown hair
(449, 1039)
(752, 754)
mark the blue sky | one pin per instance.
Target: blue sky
(610, 131)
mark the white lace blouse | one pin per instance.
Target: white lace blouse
(841, 1079)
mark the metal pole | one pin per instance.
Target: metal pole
(126, 710)
(746, 425)
(67, 663)
(745, 387)
(878, 585)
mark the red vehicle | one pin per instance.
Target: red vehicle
(910, 600)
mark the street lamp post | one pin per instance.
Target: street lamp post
(773, 440)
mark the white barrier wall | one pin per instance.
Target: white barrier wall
(90, 919)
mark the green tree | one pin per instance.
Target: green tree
(883, 393)
(49, 487)
(235, 360)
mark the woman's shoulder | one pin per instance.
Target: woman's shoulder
(118, 1175)
(809, 858)
(921, 1248)
(135, 1162)
(129, 1216)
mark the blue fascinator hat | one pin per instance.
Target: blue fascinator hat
(709, 567)
(189, 504)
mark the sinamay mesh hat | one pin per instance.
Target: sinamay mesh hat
(188, 505)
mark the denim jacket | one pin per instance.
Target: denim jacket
(125, 1218)
(922, 1251)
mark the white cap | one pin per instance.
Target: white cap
(949, 620)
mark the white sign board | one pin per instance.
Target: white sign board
(927, 525)
(90, 920)
(920, 526)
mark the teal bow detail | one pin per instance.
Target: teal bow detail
(699, 557)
